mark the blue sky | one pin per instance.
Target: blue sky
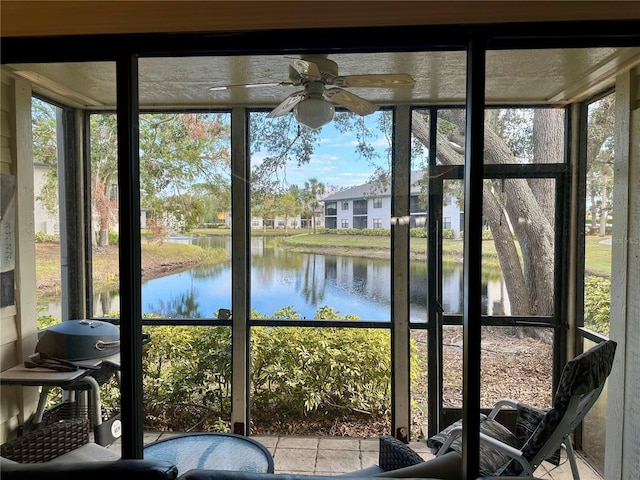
(335, 161)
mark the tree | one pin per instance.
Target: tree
(287, 206)
(179, 151)
(519, 212)
(522, 205)
(215, 199)
(263, 205)
(103, 165)
(600, 161)
(43, 124)
(104, 174)
(304, 199)
(281, 140)
(316, 190)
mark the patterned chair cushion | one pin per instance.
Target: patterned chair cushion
(581, 375)
(491, 460)
(527, 421)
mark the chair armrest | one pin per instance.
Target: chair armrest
(453, 434)
(504, 402)
(508, 450)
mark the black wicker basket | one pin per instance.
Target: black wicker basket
(48, 441)
(65, 411)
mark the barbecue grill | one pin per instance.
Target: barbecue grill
(75, 340)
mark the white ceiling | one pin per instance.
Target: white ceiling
(554, 77)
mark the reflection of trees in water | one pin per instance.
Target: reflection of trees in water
(210, 270)
(269, 264)
(314, 274)
(312, 280)
(494, 298)
(182, 306)
(105, 301)
(311, 286)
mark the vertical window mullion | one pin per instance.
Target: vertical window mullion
(240, 273)
(400, 338)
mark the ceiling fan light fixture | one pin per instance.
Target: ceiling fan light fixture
(314, 112)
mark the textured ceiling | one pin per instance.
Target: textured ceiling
(552, 76)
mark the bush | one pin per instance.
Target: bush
(187, 376)
(45, 321)
(486, 234)
(113, 237)
(295, 371)
(418, 232)
(447, 233)
(597, 304)
(43, 237)
(370, 232)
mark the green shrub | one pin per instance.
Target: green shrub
(44, 321)
(42, 237)
(418, 232)
(447, 233)
(294, 371)
(113, 237)
(370, 232)
(597, 304)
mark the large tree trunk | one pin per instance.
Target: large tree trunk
(529, 284)
(548, 147)
(507, 254)
(604, 209)
(104, 207)
(535, 237)
(594, 212)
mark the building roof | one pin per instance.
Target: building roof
(374, 190)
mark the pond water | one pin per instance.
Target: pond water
(305, 282)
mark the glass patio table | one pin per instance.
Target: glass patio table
(212, 451)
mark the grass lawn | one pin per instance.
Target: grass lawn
(157, 259)
(597, 256)
(449, 247)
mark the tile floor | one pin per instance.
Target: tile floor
(336, 455)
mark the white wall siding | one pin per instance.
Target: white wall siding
(17, 322)
(622, 457)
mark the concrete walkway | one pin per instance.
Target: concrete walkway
(337, 455)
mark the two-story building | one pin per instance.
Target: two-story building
(369, 206)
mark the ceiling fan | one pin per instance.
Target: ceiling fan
(322, 87)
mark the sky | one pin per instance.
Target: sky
(335, 161)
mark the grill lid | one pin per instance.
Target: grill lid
(75, 340)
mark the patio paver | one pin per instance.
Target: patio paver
(336, 455)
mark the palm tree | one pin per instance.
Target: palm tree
(315, 189)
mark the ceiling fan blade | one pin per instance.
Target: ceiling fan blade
(286, 105)
(306, 69)
(250, 85)
(351, 101)
(381, 80)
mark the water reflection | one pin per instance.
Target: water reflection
(305, 282)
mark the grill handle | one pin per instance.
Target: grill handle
(100, 345)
